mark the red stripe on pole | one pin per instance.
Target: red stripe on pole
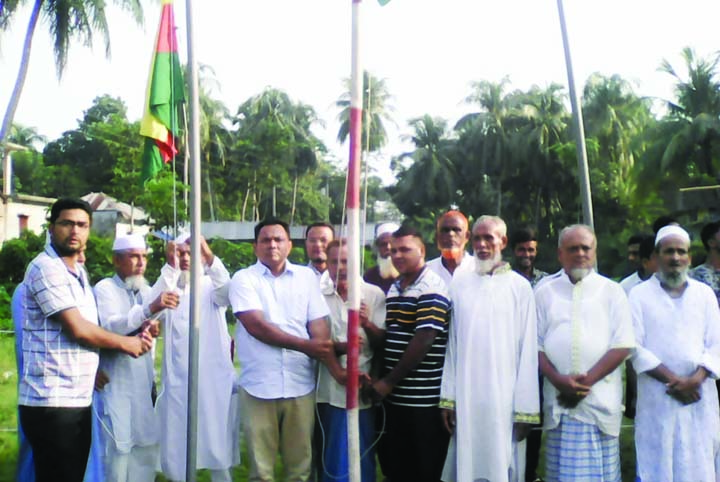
(353, 188)
(353, 353)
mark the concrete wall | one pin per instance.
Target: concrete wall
(36, 209)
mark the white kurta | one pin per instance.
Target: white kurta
(577, 325)
(126, 399)
(216, 418)
(491, 372)
(675, 441)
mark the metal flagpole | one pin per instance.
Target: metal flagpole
(195, 259)
(583, 172)
(353, 213)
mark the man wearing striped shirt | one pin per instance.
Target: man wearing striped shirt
(415, 442)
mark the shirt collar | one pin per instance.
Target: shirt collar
(265, 271)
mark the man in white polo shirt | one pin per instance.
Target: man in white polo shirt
(60, 340)
(283, 328)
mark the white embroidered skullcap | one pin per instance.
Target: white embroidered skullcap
(129, 241)
(672, 230)
(183, 237)
(385, 228)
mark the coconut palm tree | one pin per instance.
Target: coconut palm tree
(694, 119)
(66, 21)
(377, 111)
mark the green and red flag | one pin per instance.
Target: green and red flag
(165, 92)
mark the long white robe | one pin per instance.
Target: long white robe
(491, 372)
(675, 441)
(127, 401)
(216, 416)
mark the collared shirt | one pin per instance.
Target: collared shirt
(707, 274)
(436, 265)
(57, 371)
(288, 302)
(423, 304)
(577, 325)
(535, 277)
(328, 390)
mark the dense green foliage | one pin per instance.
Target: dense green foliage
(512, 154)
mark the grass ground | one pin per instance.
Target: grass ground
(8, 426)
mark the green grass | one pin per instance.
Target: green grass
(8, 425)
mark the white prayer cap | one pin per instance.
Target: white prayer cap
(129, 241)
(672, 230)
(385, 228)
(183, 237)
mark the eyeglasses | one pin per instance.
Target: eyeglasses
(66, 223)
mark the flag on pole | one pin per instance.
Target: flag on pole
(165, 92)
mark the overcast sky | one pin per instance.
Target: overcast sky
(429, 51)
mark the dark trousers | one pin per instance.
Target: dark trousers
(414, 445)
(534, 440)
(60, 440)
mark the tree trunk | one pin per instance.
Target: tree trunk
(294, 197)
(245, 201)
(210, 197)
(499, 196)
(537, 207)
(22, 74)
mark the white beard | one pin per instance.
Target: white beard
(183, 280)
(577, 274)
(485, 266)
(136, 282)
(673, 280)
(387, 269)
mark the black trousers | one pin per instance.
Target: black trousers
(60, 440)
(414, 445)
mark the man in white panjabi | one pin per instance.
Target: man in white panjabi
(130, 428)
(489, 383)
(584, 334)
(677, 328)
(216, 412)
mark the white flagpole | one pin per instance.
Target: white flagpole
(195, 260)
(583, 171)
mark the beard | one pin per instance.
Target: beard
(673, 280)
(386, 268)
(183, 280)
(136, 282)
(577, 274)
(451, 253)
(485, 266)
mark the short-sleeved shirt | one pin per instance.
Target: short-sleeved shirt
(328, 390)
(288, 302)
(57, 371)
(423, 304)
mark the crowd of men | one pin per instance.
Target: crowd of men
(465, 359)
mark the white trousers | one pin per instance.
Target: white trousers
(136, 466)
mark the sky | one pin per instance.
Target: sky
(429, 52)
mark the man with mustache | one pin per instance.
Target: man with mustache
(451, 236)
(677, 329)
(584, 335)
(489, 395)
(130, 426)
